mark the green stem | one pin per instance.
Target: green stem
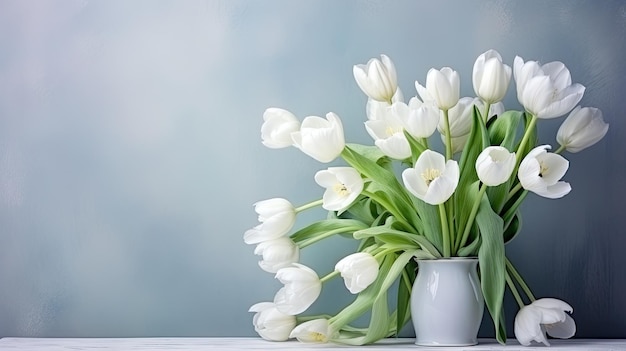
(309, 205)
(310, 241)
(515, 189)
(444, 230)
(329, 276)
(560, 149)
(447, 135)
(472, 216)
(513, 288)
(486, 114)
(522, 145)
(520, 280)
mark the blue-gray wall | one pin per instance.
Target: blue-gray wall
(130, 151)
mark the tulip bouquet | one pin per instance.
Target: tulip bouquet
(401, 199)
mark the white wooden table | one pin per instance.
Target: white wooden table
(178, 344)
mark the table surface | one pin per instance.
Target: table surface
(178, 344)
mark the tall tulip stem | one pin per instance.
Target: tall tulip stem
(522, 144)
(513, 289)
(446, 121)
(486, 114)
(520, 280)
(445, 231)
(473, 212)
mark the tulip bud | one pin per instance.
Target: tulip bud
(443, 87)
(277, 128)
(377, 79)
(491, 77)
(277, 254)
(320, 138)
(358, 270)
(494, 165)
(270, 323)
(581, 129)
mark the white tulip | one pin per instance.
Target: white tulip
(313, 331)
(343, 185)
(320, 138)
(495, 165)
(418, 118)
(388, 135)
(358, 271)
(380, 109)
(377, 79)
(540, 172)
(541, 316)
(301, 288)
(443, 87)
(432, 179)
(546, 91)
(277, 254)
(270, 323)
(491, 77)
(581, 129)
(277, 217)
(277, 128)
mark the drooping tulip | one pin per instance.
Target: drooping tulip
(277, 128)
(443, 87)
(495, 165)
(432, 179)
(277, 254)
(270, 323)
(343, 185)
(543, 316)
(320, 138)
(301, 288)
(313, 331)
(377, 79)
(545, 91)
(581, 129)
(277, 217)
(358, 271)
(491, 77)
(541, 173)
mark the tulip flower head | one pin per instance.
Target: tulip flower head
(443, 87)
(343, 185)
(491, 77)
(270, 323)
(277, 254)
(278, 124)
(320, 138)
(544, 316)
(313, 331)
(581, 129)
(546, 91)
(388, 135)
(301, 288)
(432, 179)
(418, 118)
(277, 217)
(495, 165)
(377, 79)
(358, 270)
(540, 172)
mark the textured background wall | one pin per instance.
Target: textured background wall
(130, 151)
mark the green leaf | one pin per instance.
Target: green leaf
(431, 223)
(396, 199)
(491, 259)
(513, 227)
(505, 129)
(476, 143)
(396, 237)
(326, 228)
(404, 294)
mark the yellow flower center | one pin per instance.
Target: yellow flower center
(341, 189)
(319, 337)
(430, 174)
(391, 130)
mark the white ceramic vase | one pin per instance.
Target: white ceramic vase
(446, 302)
